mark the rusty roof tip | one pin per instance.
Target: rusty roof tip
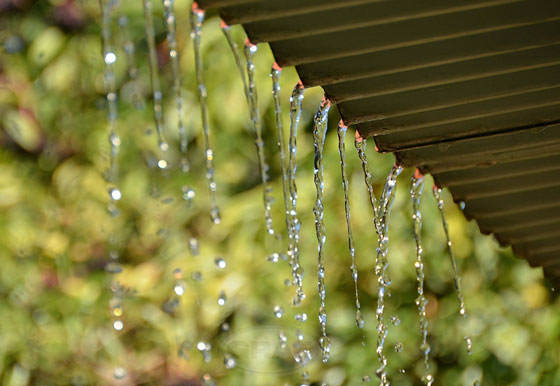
(276, 66)
(196, 8)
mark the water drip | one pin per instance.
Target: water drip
(319, 134)
(197, 18)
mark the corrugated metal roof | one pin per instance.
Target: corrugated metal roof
(466, 91)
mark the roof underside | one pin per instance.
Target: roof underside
(466, 91)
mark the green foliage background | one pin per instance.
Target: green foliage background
(55, 322)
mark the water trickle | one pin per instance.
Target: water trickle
(197, 17)
(361, 145)
(169, 13)
(342, 128)
(456, 278)
(294, 225)
(110, 58)
(275, 73)
(156, 87)
(226, 29)
(250, 50)
(416, 189)
(319, 135)
(381, 265)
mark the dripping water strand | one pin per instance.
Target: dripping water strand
(342, 128)
(250, 50)
(294, 225)
(381, 265)
(131, 67)
(281, 142)
(109, 58)
(156, 87)
(416, 189)
(319, 133)
(226, 29)
(456, 278)
(361, 145)
(169, 12)
(197, 18)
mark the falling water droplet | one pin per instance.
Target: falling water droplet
(205, 349)
(416, 189)
(115, 194)
(193, 246)
(179, 289)
(283, 339)
(299, 335)
(225, 326)
(395, 320)
(366, 378)
(118, 325)
(188, 194)
(278, 311)
(273, 258)
(301, 317)
(456, 278)
(196, 276)
(220, 262)
(222, 298)
(119, 373)
(398, 347)
(229, 361)
(197, 17)
(207, 380)
(319, 133)
(468, 341)
(177, 273)
(345, 186)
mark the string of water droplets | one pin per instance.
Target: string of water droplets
(154, 77)
(381, 265)
(319, 134)
(226, 29)
(456, 278)
(197, 18)
(294, 227)
(275, 72)
(342, 128)
(416, 189)
(109, 58)
(250, 50)
(169, 14)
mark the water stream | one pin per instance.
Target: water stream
(319, 133)
(381, 265)
(456, 278)
(197, 18)
(154, 75)
(169, 14)
(294, 227)
(416, 189)
(342, 128)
